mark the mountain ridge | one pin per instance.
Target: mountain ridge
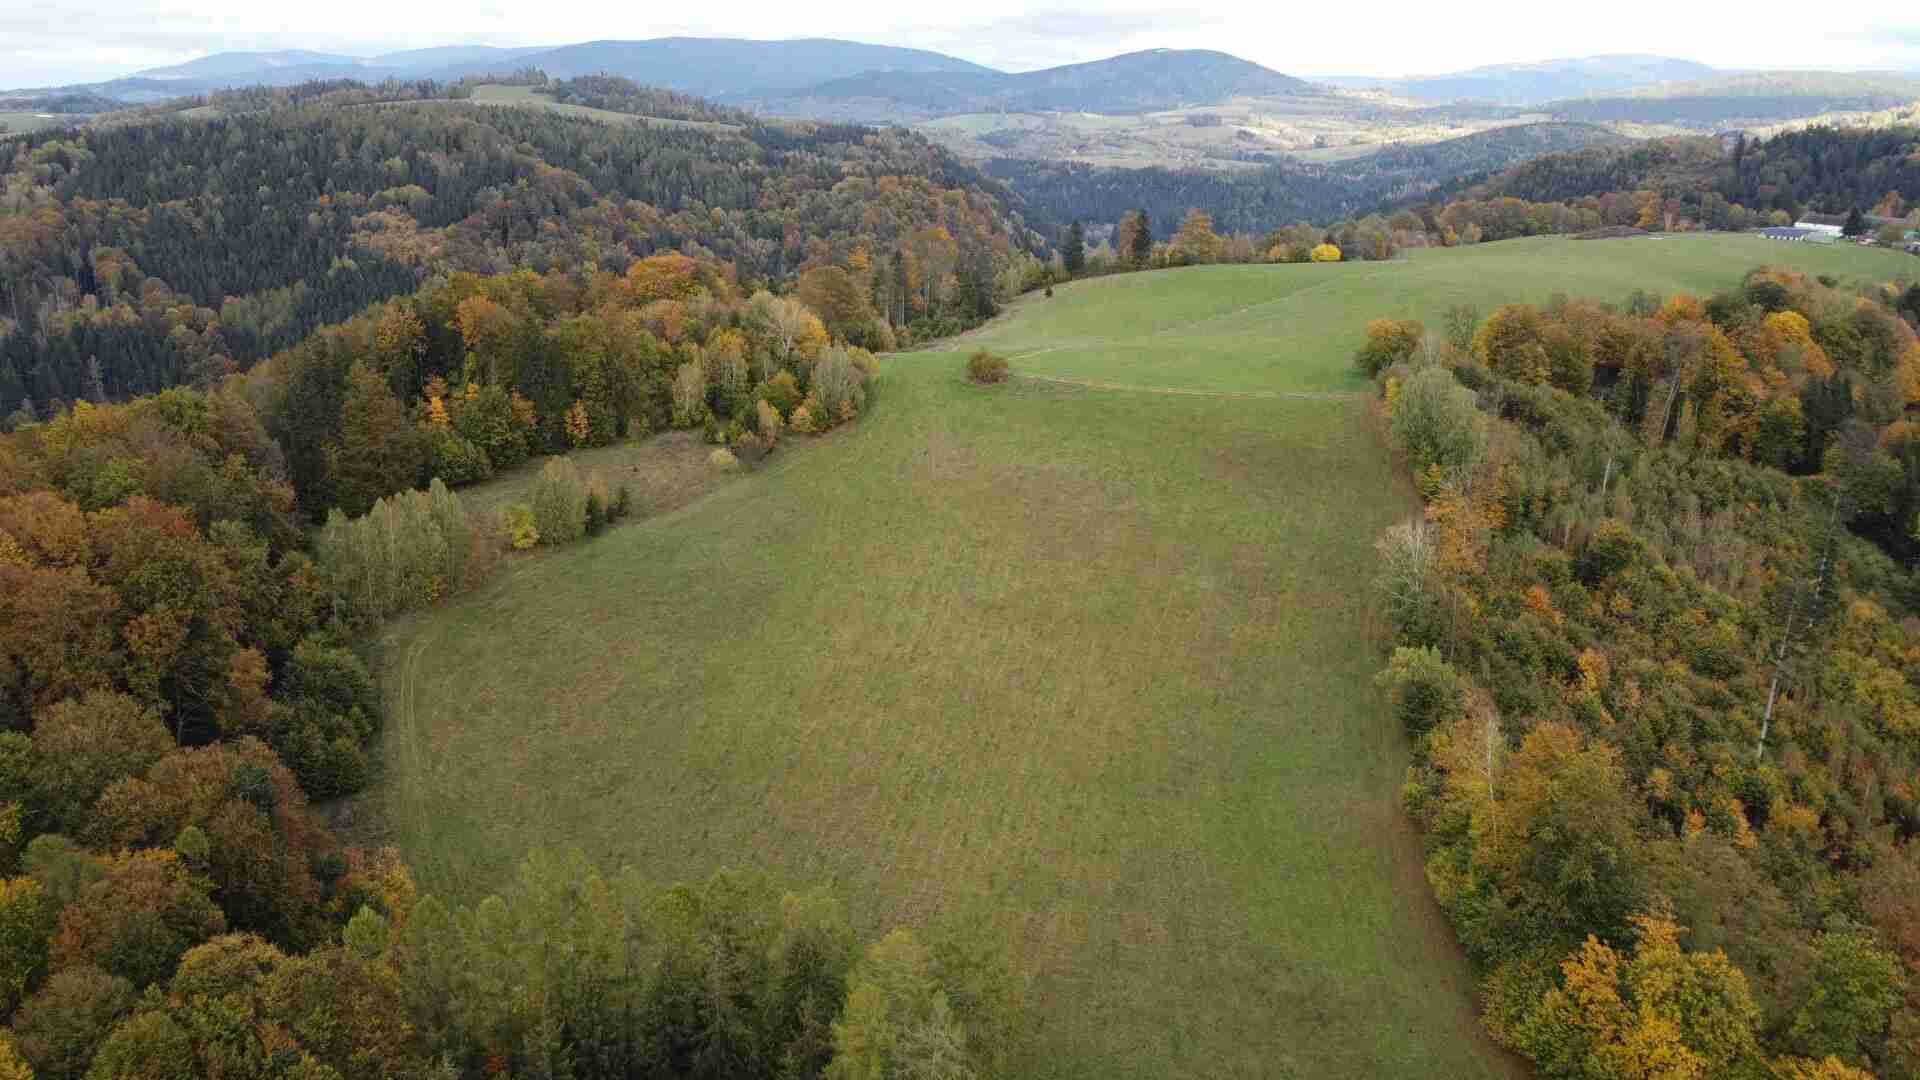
(1536, 82)
(1149, 80)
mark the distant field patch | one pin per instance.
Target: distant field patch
(496, 94)
(19, 122)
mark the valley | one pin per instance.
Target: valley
(1011, 552)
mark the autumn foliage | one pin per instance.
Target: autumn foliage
(1668, 737)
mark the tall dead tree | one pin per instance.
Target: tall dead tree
(1805, 605)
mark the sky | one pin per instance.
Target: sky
(48, 43)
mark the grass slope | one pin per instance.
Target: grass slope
(502, 94)
(1290, 329)
(1095, 661)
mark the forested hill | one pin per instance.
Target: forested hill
(1131, 83)
(1725, 102)
(1258, 200)
(1815, 169)
(137, 256)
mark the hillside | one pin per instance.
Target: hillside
(1148, 81)
(1747, 99)
(1260, 199)
(727, 68)
(250, 66)
(1535, 83)
(709, 67)
(1827, 169)
(235, 235)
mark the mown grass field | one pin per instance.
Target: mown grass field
(1095, 661)
(1294, 328)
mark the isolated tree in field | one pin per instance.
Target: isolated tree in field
(1196, 241)
(560, 502)
(1073, 252)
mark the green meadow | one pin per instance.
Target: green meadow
(1267, 329)
(1095, 662)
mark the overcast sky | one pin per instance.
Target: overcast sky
(45, 43)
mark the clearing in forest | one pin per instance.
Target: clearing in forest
(1093, 661)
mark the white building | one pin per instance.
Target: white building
(1815, 226)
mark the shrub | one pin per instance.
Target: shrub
(985, 367)
(1325, 253)
(782, 392)
(1436, 421)
(599, 503)
(802, 420)
(560, 502)
(1426, 691)
(517, 526)
(723, 459)
(750, 449)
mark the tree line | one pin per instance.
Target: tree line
(1655, 640)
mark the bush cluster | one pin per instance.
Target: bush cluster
(987, 368)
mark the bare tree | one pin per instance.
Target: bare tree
(1806, 603)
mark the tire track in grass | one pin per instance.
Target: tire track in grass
(1266, 395)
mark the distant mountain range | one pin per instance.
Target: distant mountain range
(1536, 83)
(1149, 81)
(721, 68)
(828, 79)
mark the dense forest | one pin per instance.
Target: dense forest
(1691, 183)
(1657, 649)
(137, 256)
(615, 94)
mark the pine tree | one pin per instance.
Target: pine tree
(1142, 251)
(1856, 223)
(1073, 253)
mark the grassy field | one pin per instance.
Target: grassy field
(1096, 661)
(20, 122)
(1294, 328)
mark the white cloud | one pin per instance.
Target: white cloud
(43, 42)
